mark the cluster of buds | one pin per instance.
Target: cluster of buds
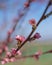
(8, 57)
(33, 23)
(35, 36)
(7, 60)
(20, 39)
(13, 52)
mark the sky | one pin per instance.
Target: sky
(23, 27)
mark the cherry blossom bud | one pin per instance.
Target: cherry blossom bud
(8, 54)
(32, 22)
(37, 36)
(19, 53)
(6, 60)
(37, 54)
(20, 38)
(12, 59)
(13, 52)
(26, 4)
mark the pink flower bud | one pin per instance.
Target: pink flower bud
(6, 59)
(12, 59)
(19, 53)
(8, 54)
(20, 38)
(13, 52)
(26, 4)
(32, 22)
(37, 54)
(37, 36)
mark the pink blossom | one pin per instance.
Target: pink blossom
(8, 54)
(20, 38)
(19, 53)
(12, 59)
(37, 54)
(32, 22)
(13, 52)
(37, 36)
(6, 59)
(3, 62)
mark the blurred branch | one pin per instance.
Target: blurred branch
(37, 55)
(18, 19)
(22, 13)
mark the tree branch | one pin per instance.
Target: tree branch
(47, 15)
(36, 26)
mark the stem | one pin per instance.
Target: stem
(49, 51)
